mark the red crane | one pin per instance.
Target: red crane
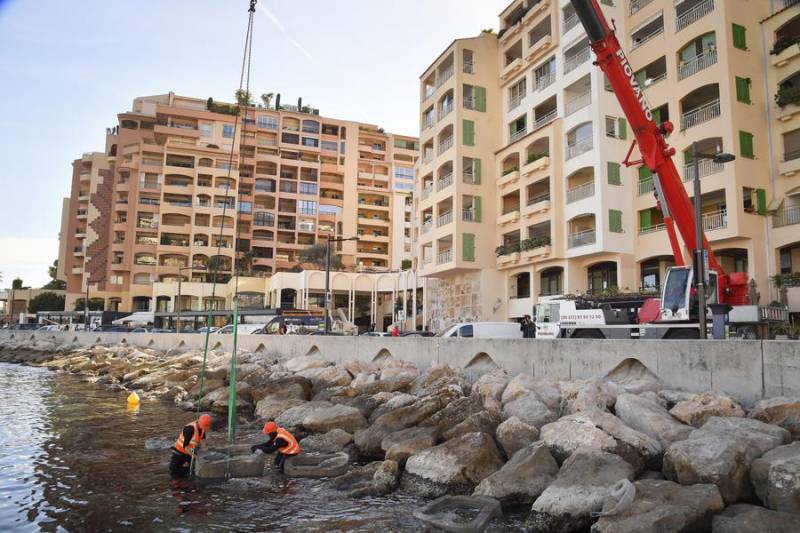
(656, 154)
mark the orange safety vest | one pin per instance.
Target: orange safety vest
(197, 437)
(290, 449)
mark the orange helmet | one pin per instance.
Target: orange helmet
(270, 427)
(204, 422)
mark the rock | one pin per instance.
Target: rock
(651, 418)
(317, 465)
(593, 395)
(454, 413)
(480, 422)
(271, 407)
(634, 377)
(402, 444)
(776, 478)
(399, 371)
(327, 395)
(523, 384)
(333, 441)
(385, 480)
(363, 379)
(454, 467)
(744, 518)
(669, 398)
(243, 406)
(664, 506)
(395, 402)
(721, 452)
(582, 485)
(293, 417)
(599, 430)
(529, 408)
(782, 411)
(514, 434)
(491, 385)
(214, 464)
(360, 367)
(305, 362)
(523, 478)
(324, 419)
(436, 378)
(326, 377)
(696, 410)
(459, 514)
(285, 388)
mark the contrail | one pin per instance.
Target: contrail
(271, 16)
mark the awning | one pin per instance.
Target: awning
(140, 317)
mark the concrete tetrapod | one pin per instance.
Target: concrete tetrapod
(316, 465)
(214, 464)
(443, 513)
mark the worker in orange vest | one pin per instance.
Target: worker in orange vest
(280, 441)
(187, 445)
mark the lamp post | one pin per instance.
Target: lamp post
(328, 296)
(699, 252)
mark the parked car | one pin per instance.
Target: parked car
(139, 330)
(27, 327)
(205, 329)
(484, 330)
(112, 328)
(162, 330)
(50, 327)
(376, 334)
(418, 334)
(243, 329)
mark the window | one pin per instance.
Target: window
(746, 145)
(227, 131)
(404, 186)
(465, 331)
(263, 219)
(206, 130)
(550, 282)
(245, 207)
(469, 132)
(330, 146)
(786, 260)
(307, 207)
(468, 247)
(517, 92)
(739, 37)
(308, 188)
(614, 174)
(115, 279)
(614, 221)
(743, 89)
(651, 276)
(406, 173)
(308, 141)
(616, 128)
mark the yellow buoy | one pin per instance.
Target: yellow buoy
(133, 400)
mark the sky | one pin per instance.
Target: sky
(69, 67)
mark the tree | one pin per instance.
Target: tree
(243, 97)
(16, 283)
(46, 301)
(54, 282)
(95, 304)
(316, 254)
(405, 264)
(267, 99)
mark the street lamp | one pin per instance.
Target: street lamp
(699, 253)
(328, 296)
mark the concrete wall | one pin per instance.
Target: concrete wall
(747, 369)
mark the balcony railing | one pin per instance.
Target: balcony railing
(429, 122)
(444, 75)
(468, 176)
(545, 80)
(693, 15)
(426, 227)
(579, 147)
(570, 22)
(518, 134)
(717, 220)
(545, 119)
(468, 214)
(705, 167)
(636, 5)
(444, 219)
(786, 216)
(514, 101)
(444, 182)
(639, 41)
(445, 109)
(571, 63)
(469, 67)
(444, 257)
(427, 156)
(704, 113)
(581, 238)
(426, 191)
(696, 64)
(646, 186)
(544, 197)
(578, 102)
(791, 155)
(580, 192)
(445, 145)
(651, 229)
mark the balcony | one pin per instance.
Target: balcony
(652, 229)
(444, 182)
(637, 5)
(445, 109)
(535, 164)
(575, 60)
(582, 238)
(444, 75)
(520, 133)
(582, 146)
(547, 118)
(786, 216)
(790, 164)
(445, 145)
(545, 80)
(426, 191)
(537, 48)
(705, 167)
(696, 64)
(700, 10)
(444, 257)
(580, 192)
(538, 204)
(646, 186)
(444, 219)
(514, 101)
(426, 227)
(640, 40)
(578, 102)
(570, 22)
(511, 69)
(701, 114)
(509, 217)
(469, 102)
(716, 220)
(509, 176)
(468, 215)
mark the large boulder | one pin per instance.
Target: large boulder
(599, 430)
(582, 485)
(305, 362)
(360, 367)
(524, 384)
(283, 388)
(293, 417)
(632, 376)
(395, 370)
(402, 444)
(327, 418)
(454, 467)
(480, 422)
(721, 452)
(700, 407)
(490, 386)
(271, 408)
(394, 401)
(333, 441)
(596, 394)
(661, 505)
(436, 378)
(530, 408)
(744, 518)
(372, 479)
(514, 434)
(782, 411)
(776, 478)
(523, 478)
(454, 413)
(651, 418)
(326, 377)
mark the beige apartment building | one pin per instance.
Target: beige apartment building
(166, 199)
(521, 192)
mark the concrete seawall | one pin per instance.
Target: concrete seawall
(749, 370)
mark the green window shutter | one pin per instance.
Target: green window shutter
(645, 219)
(746, 145)
(761, 201)
(476, 171)
(657, 116)
(687, 157)
(476, 206)
(644, 173)
(623, 128)
(468, 247)
(480, 98)
(614, 221)
(614, 174)
(641, 76)
(739, 37)
(743, 89)
(469, 132)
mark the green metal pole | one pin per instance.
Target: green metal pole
(202, 377)
(232, 385)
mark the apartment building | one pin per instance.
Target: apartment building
(558, 212)
(181, 190)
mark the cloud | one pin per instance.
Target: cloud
(26, 258)
(278, 24)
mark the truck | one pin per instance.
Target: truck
(677, 313)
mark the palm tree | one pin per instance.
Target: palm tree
(267, 99)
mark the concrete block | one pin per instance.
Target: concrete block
(215, 463)
(683, 365)
(460, 514)
(317, 465)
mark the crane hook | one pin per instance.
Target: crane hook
(252, 6)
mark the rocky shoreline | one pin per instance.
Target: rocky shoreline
(617, 453)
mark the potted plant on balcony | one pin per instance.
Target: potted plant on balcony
(787, 94)
(535, 157)
(783, 43)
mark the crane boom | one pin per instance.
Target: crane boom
(655, 152)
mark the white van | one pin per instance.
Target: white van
(484, 330)
(243, 329)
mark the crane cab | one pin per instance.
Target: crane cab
(678, 296)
